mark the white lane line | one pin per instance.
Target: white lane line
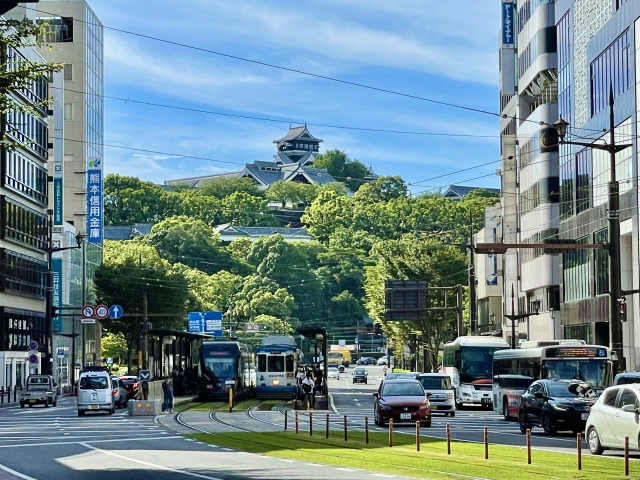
(347, 469)
(17, 474)
(227, 449)
(92, 441)
(382, 475)
(287, 460)
(149, 464)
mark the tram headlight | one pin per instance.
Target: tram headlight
(275, 382)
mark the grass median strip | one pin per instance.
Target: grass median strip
(432, 462)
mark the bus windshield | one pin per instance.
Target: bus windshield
(596, 373)
(476, 363)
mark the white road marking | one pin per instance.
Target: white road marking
(149, 464)
(76, 443)
(17, 474)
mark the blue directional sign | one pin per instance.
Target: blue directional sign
(145, 375)
(115, 311)
(205, 322)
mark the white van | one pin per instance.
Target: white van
(442, 396)
(94, 393)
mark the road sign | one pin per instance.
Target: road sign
(33, 358)
(205, 322)
(33, 345)
(88, 311)
(109, 361)
(115, 311)
(145, 375)
(61, 353)
(102, 312)
(88, 321)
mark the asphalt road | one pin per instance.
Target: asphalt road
(356, 401)
(54, 443)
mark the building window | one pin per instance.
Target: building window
(68, 111)
(553, 297)
(611, 68)
(576, 273)
(579, 332)
(68, 71)
(528, 254)
(25, 177)
(22, 224)
(619, 3)
(544, 191)
(21, 274)
(56, 29)
(583, 180)
(566, 190)
(602, 164)
(19, 327)
(601, 263)
(543, 42)
(533, 147)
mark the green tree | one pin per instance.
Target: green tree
(328, 212)
(382, 189)
(224, 186)
(260, 296)
(208, 292)
(240, 248)
(127, 200)
(274, 325)
(192, 242)
(247, 210)
(342, 168)
(114, 345)
(21, 73)
(131, 270)
(291, 192)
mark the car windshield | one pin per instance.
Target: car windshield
(391, 376)
(435, 383)
(569, 390)
(627, 380)
(402, 389)
(358, 371)
(93, 383)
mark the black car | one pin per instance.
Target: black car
(556, 405)
(359, 375)
(366, 361)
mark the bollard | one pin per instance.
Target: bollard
(9, 394)
(448, 429)
(579, 443)
(366, 430)
(285, 420)
(417, 436)
(326, 432)
(345, 428)
(486, 443)
(529, 446)
(231, 399)
(15, 391)
(2, 395)
(310, 423)
(626, 456)
(391, 432)
(296, 423)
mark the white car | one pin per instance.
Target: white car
(613, 417)
(332, 372)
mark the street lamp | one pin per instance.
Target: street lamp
(616, 316)
(50, 250)
(513, 317)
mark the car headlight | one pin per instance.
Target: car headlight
(384, 406)
(450, 396)
(275, 382)
(559, 408)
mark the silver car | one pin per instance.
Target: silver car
(442, 397)
(119, 393)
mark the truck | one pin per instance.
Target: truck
(340, 356)
(40, 389)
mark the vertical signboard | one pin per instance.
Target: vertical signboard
(56, 268)
(58, 149)
(492, 222)
(94, 200)
(508, 32)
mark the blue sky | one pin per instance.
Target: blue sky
(446, 51)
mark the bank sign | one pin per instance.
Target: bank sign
(56, 267)
(94, 200)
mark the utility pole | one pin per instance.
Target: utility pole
(459, 311)
(145, 333)
(473, 309)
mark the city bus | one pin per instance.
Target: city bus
(225, 365)
(469, 363)
(515, 370)
(278, 358)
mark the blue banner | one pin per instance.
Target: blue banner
(57, 199)
(508, 36)
(94, 200)
(56, 268)
(213, 323)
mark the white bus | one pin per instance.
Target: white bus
(515, 370)
(469, 363)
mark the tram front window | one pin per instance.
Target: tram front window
(262, 363)
(289, 361)
(221, 367)
(276, 364)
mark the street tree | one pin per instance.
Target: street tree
(342, 168)
(224, 186)
(114, 345)
(247, 210)
(260, 296)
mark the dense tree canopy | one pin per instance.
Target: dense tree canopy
(342, 168)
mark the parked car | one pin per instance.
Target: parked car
(442, 396)
(366, 361)
(627, 378)
(339, 366)
(333, 372)
(131, 385)
(40, 389)
(613, 417)
(403, 400)
(556, 405)
(119, 393)
(95, 393)
(359, 375)
(383, 361)
(392, 376)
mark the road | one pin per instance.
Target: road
(356, 401)
(54, 443)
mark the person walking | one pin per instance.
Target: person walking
(308, 386)
(167, 388)
(318, 390)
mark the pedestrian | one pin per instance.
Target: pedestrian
(167, 388)
(319, 377)
(299, 377)
(308, 386)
